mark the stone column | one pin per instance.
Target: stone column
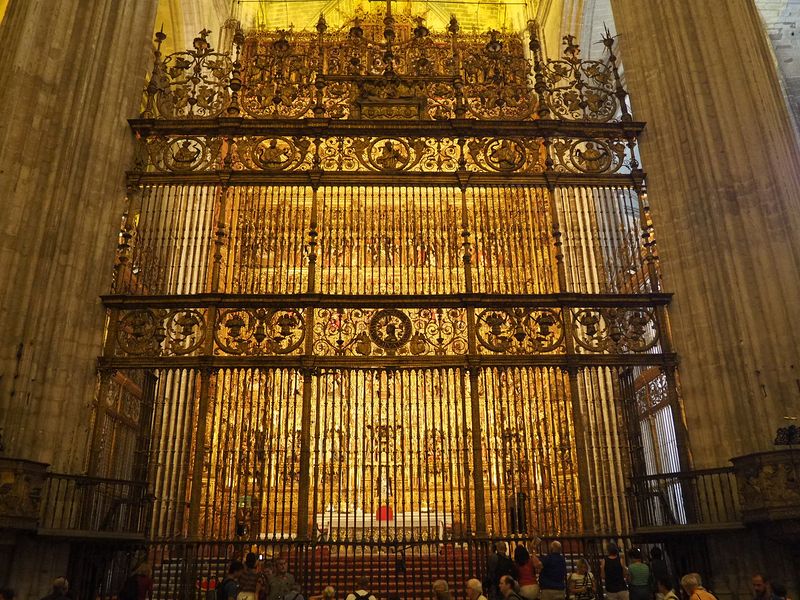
(70, 75)
(724, 179)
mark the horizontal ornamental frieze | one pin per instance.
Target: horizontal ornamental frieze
(382, 154)
(391, 332)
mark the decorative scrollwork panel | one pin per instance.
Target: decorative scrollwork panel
(160, 332)
(579, 90)
(505, 155)
(259, 331)
(614, 330)
(519, 331)
(378, 154)
(361, 74)
(278, 75)
(264, 153)
(390, 332)
(192, 84)
(589, 156)
(389, 154)
(179, 154)
(496, 76)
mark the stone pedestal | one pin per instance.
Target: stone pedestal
(769, 487)
(21, 483)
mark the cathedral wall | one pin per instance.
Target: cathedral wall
(726, 214)
(70, 77)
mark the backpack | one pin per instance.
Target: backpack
(130, 589)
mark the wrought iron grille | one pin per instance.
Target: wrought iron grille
(387, 293)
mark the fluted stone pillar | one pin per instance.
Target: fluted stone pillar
(70, 75)
(724, 180)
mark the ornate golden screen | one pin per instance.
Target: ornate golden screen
(390, 286)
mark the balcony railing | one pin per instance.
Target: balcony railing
(95, 506)
(702, 499)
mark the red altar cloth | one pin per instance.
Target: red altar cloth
(384, 513)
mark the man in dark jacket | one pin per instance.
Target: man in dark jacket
(553, 576)
(498, 564)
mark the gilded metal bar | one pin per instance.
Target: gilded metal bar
(584, 479)
(678, 419)
(466, 245)
(198, 464)
(220, 236)
(334, 178)
(567, 299)
(100, 408)
(435, 128)
(560, 361)
(312, 242)
(305, 459)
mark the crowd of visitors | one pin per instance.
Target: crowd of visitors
(527, 576)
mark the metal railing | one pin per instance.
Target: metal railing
(707, 497)
(192, 570)
(93, 504)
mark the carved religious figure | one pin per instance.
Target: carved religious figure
(390, 157)
(186, 154)
(506, 156)
(271, 155)
(594, 158)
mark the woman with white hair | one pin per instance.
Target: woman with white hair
(475, 590)
(692, 584)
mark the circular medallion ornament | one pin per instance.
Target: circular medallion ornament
(505, 155)
(591, 157)
(390, 329)
(184, 154)
(389, 154)
(274, 154)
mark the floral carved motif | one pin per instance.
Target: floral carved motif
(272, 153)
(505, 155)
(192, 84)
(179, 154)
(278, 76)
(579, 90)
